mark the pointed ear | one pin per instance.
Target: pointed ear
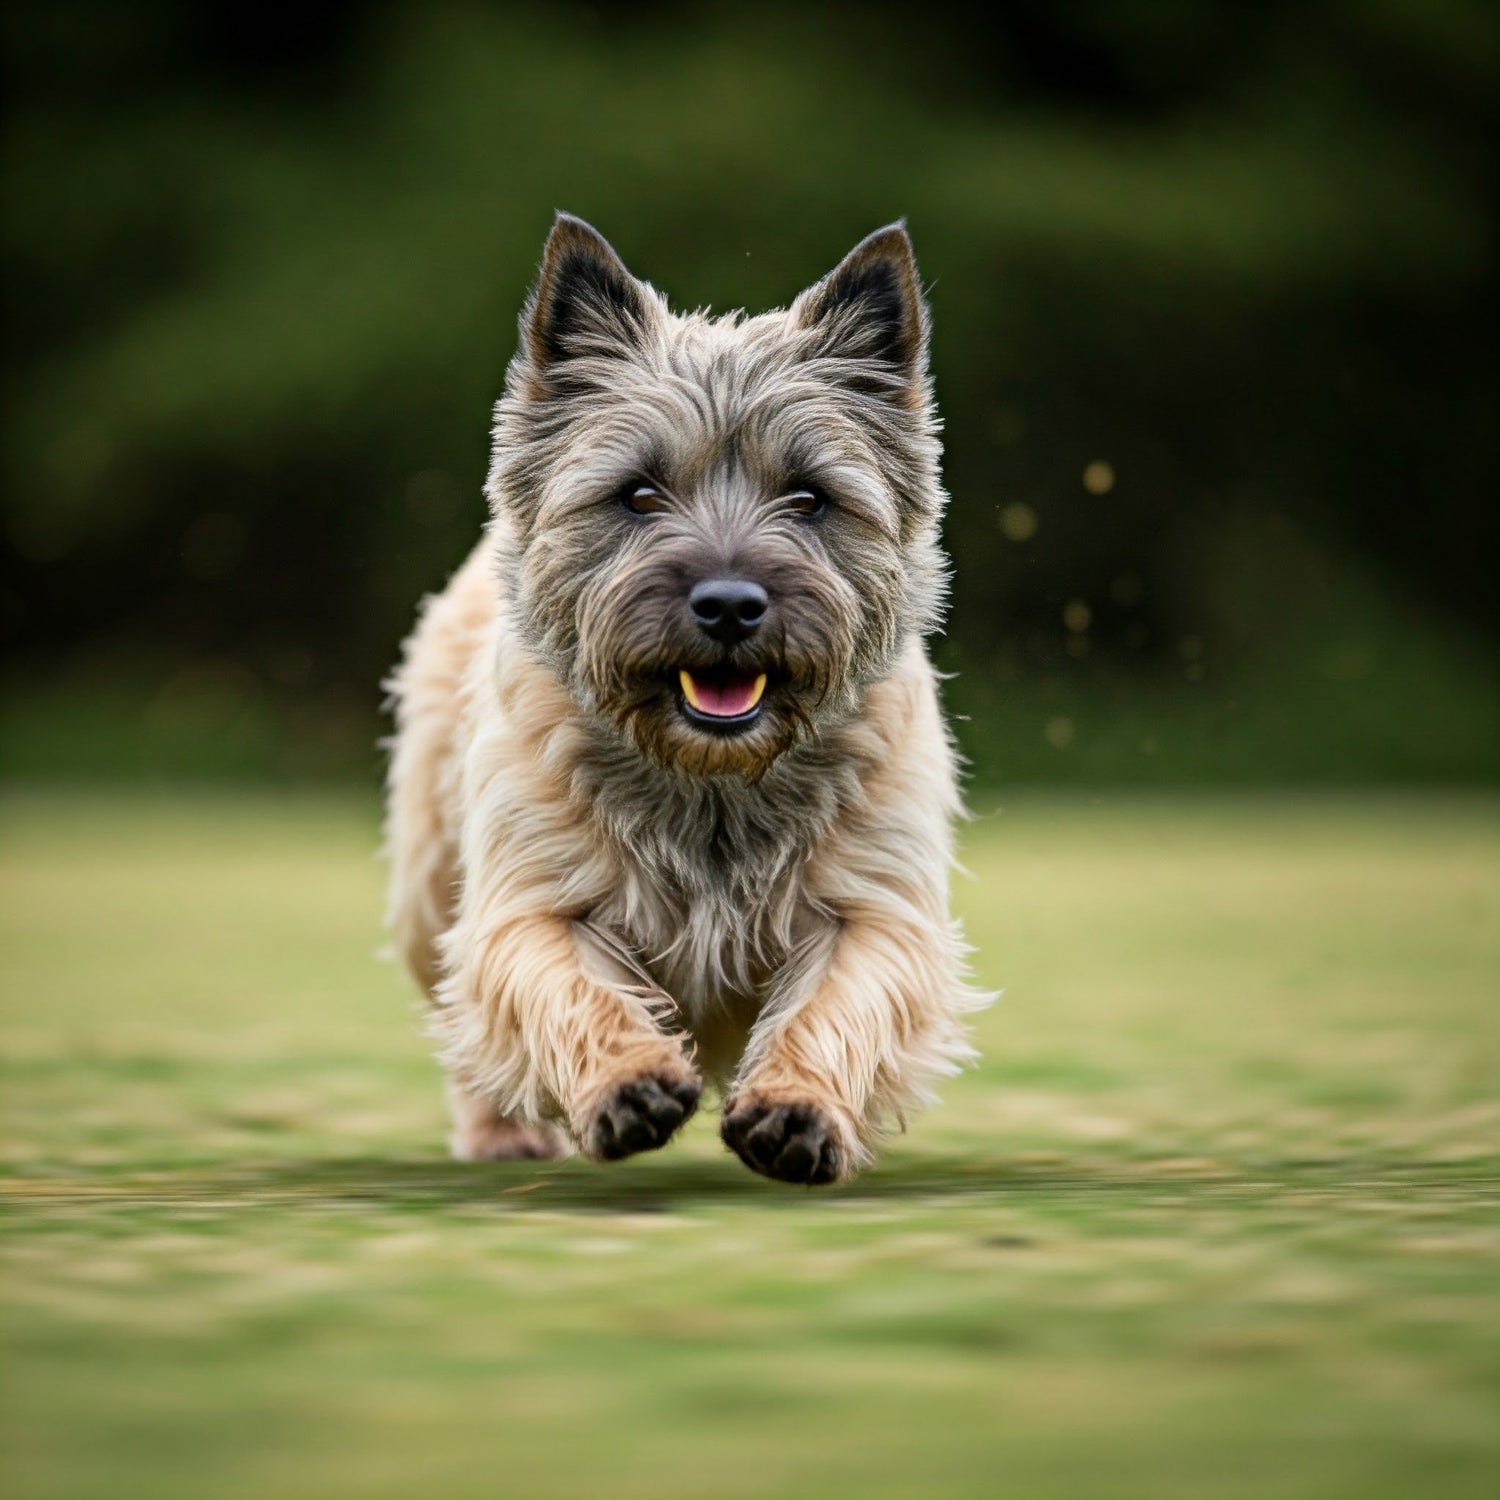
(869, 310)
(584, 300)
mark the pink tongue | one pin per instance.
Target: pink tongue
(725, 700)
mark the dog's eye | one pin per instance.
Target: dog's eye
(806, 502)
(643, 500)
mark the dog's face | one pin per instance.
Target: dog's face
(726, 529)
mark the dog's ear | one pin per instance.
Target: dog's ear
(869, 312)
(584, 301)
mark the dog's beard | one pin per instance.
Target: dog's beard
(712, 712)
(654, 707)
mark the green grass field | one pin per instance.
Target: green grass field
(1214, 1217)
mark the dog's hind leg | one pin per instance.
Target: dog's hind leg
(424, 879)
(420, 906)
(482, 1133)
(420, 901)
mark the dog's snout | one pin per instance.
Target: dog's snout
(728, 609)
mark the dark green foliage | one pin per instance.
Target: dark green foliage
(1212, 333)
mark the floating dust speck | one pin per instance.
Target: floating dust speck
(1099, 477)
(1060, 731)
(1018, 522)
(1077, 615)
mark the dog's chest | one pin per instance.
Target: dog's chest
(712, 938)
(710, 910)
(710, 895)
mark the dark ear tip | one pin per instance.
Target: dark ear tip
(581, 281)
(892, 241)
(570, 232)
(873, 300)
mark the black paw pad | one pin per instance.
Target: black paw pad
(642, 1116)
(790, 1142)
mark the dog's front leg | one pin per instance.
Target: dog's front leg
(858, 1027)
(540, 1014)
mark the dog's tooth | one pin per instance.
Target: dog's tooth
(690, 690)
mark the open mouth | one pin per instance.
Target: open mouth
(721, 696)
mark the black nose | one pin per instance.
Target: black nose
(728, 609)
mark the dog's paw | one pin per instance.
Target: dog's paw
(790, 1142)
(641, 1115)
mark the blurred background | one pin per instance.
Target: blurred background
(1214, 344)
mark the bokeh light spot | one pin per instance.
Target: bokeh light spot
(1099, 477)
(1018, 522)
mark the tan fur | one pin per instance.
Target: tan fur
(572, 952)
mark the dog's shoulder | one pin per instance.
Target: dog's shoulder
(900, 744)
(893, 837)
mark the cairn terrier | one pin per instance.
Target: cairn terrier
(671, 791)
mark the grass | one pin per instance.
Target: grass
(1214, 1217)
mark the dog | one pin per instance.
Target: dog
(671, 793)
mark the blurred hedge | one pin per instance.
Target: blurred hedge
(1214, 343)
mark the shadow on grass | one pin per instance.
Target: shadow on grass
(665, 1185)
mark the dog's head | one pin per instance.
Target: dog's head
(725, 529)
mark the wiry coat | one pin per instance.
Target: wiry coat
(604, 900)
